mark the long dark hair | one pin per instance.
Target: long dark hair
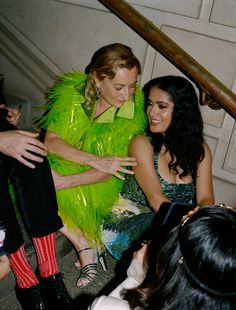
(184, 137)
(206, 243)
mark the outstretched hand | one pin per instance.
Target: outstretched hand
(114, 165)
(23, 146)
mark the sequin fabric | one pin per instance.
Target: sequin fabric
(132, 216)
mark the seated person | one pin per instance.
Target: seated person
(23, 162)
(192, 267)
(89, 123)
(173, 163)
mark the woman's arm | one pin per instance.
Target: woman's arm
(112, 165)
(145, 172)
(84, 178)
(204, 186)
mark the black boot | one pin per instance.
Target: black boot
(56, 292)
(31, 298)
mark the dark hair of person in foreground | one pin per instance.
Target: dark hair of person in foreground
(195, 267)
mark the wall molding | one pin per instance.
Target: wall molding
(23, 54)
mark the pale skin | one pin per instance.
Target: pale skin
(4, 266)
(19, 144)
(159, 113)
(113, 92)
(148, 179)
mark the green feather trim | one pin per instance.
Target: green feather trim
(86, 206)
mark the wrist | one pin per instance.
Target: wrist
(90, 160)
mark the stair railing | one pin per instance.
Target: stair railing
(212, 92)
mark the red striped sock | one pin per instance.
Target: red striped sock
(22, 270)
(45, 248)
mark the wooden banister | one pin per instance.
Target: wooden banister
(207, 83)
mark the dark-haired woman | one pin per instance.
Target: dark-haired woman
(195, 267)
(174, 163)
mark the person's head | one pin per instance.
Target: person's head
(170, 100)
(113, 73)
(195, 267)
(175, 120)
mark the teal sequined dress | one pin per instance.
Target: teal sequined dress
(132, 216)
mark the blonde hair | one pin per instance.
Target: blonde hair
(105, 62)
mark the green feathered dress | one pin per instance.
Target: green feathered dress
(86, 206)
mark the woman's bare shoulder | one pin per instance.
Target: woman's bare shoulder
(140, 139)
(140, 143)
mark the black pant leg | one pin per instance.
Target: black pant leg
(13, 239)
(37, 197)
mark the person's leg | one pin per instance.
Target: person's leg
(4, 266)
(27, 287)
(38, 201)
(22, 270)
(89, 256)
(80, 242)
(45, 248)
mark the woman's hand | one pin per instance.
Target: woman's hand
(139, 265)
(113, 165)
(23, 146)
(13, 116)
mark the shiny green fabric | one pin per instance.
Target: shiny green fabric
(86, 206)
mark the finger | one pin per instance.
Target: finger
(119, 176)
(37, 149)
(127, 171)
(35, 143)
(128, 163)
(126, 158)
(117, 158)
(33, 157)
(25, 162)
(28, 133)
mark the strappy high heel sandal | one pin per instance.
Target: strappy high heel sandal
(101, 257)
(77, 263)
(89, 271)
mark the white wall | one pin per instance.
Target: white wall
(41, 38)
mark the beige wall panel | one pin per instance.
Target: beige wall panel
(48, 37)
(69, 34)
(189, 8)
(230, 161)
(217, 56)
(224, 12)
(224, 192)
